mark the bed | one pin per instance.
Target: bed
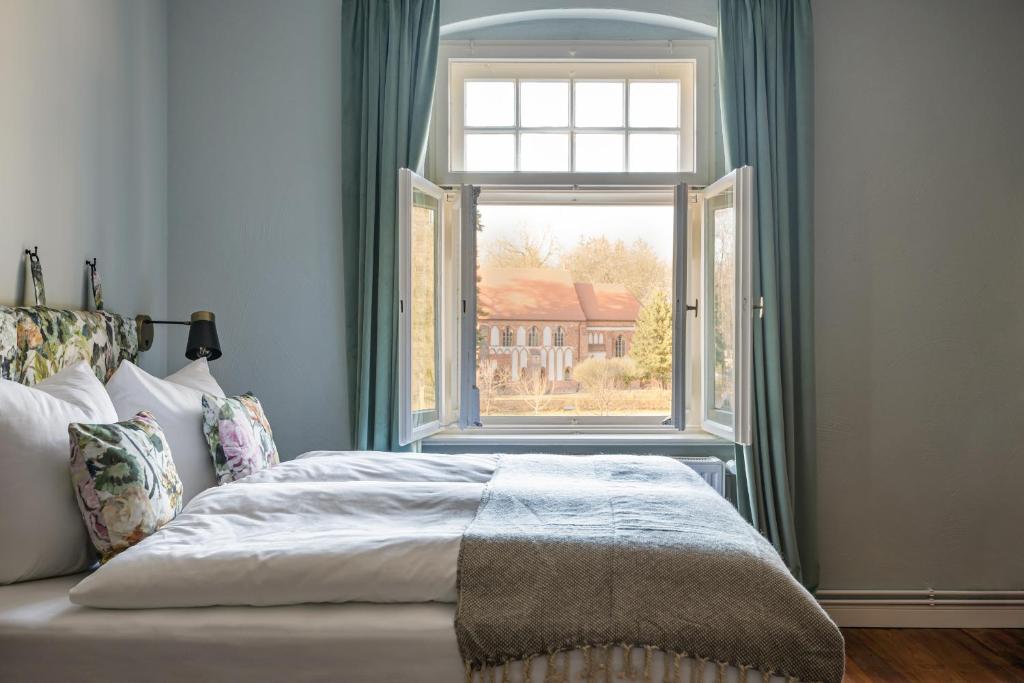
(361, 566)
(44, 637)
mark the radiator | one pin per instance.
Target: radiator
(711, 469)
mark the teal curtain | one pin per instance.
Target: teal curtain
(388, 64)
(766, 79)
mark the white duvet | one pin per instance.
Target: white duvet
(326, 527)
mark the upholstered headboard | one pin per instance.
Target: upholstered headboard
(36, 342)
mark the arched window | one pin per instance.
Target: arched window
(620, 347)
(559, 336)
(506, 337)
(533, 338)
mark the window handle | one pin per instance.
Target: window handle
(696, 304)
(759, 307)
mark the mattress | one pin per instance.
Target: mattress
(44, 637)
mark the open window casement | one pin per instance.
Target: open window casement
(439, 337)
(728, 310)
(430, 308)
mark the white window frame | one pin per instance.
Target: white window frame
(457, 323)
(741, 182)
(674, 422)
(447, 361)
(634, 60)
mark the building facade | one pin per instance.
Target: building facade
(537, 322)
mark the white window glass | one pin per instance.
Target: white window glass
(544, 152)
(544, 104)
(425, 228)
(599, 104)
(723, 299)
(653, 152)
(654, 104)
(546, 262)
(490, 103)
(490, 152)
(600, 152)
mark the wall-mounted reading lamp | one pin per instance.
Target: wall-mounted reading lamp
(202, 334)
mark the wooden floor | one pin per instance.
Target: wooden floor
(934, 655)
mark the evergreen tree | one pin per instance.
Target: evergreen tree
(652, 341)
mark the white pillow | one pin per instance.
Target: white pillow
(177, 405)
(196, 375)
(41, 529)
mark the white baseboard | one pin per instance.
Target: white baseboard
(925, 609)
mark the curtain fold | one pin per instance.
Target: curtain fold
(388, 66)
(766, 79)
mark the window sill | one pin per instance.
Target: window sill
(542, 438)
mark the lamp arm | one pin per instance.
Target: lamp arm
(144, 329)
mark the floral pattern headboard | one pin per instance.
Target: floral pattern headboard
(37, 342)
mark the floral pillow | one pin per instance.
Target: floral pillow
(239, 436)
(125, 481)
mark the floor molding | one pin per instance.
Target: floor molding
(924, 609)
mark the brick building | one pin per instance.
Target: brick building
(538, 319)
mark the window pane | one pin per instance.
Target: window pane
(425, 227)
(723, 315)
(544, 104)
(599, 104)
(654, 152)
(544, 152)
(580, 295)
(600, 152)
(654, 105)
(490, 103)
(490, 152)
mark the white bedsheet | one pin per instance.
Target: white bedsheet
(341, 527)
(43, 637)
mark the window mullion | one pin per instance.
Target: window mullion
(518, 124)
(572, 125)
(626, 124)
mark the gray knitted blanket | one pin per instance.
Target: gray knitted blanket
(591, 553)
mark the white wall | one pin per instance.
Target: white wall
(919, 245)
(83, 151)
(254, 206)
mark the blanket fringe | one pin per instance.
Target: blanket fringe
(558, 667)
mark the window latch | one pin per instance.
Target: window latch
(696, 304)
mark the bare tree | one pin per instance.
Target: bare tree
(637, 266)
(604, 379)
(532, 387)
(490, 380)
(528, 250)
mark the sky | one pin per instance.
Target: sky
(568, 224)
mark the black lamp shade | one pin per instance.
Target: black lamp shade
(202, 337)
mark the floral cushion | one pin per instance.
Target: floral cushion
(125, 481)
(239, 436)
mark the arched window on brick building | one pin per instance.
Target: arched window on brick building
(533, 337)
(559, 336)
(507, 336)
(620, 346)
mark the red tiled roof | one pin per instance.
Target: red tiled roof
(550, 294)
(527, 294)
(607, 302)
